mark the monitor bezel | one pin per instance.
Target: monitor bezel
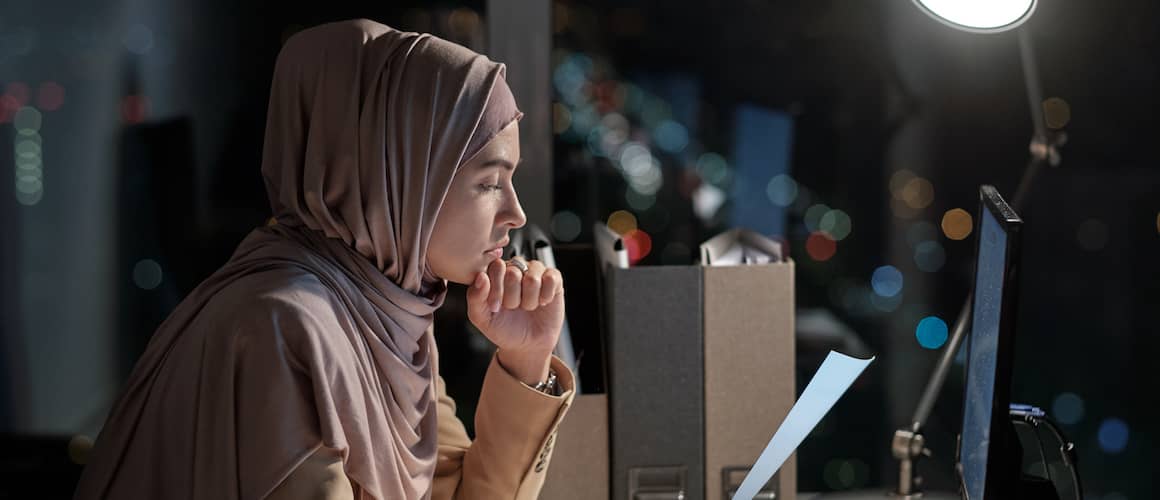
(999, 465)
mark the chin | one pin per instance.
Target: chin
(467, 276)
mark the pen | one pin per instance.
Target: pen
(544, 254)
(609, 247)
(621, 253)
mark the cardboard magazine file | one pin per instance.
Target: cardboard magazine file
(749, 358)
(579, 468)
(656, 396)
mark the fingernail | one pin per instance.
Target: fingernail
(495, 307)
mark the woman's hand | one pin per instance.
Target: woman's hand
(521, 313)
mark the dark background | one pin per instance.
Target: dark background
(150, 178)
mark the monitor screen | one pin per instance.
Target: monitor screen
(982, 353)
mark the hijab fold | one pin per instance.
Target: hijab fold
(316, 331)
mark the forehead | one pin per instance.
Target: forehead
(506, 142)
(504, 147)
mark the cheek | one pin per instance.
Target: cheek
(458, 245)
(474, 218)
(465, 227)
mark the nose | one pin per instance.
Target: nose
(512, 214)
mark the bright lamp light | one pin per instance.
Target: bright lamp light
(980, 16)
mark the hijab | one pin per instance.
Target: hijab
(316, 332)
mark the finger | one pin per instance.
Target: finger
(530, 288)
(511, 287)
(551, 284)
(477, 304)
(478, 291)
(495, 272)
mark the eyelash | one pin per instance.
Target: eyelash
(490, 187)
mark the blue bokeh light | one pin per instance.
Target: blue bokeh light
(782, 190)
(671, 136)
(1113, 436)
(886, 281)
(931, 332)
(1067, 408)
(929, 256)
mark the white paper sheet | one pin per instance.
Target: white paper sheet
(835, 375)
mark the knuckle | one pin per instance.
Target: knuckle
(512, 276)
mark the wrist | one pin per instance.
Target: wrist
(531, 368)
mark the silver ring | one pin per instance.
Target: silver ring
(519, 263)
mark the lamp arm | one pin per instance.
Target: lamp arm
(908, 443)
(1034, 88)
(1035, 98)
(939, 375)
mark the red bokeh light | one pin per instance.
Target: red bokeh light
(18, 91)
(638, 243)
(134, 108)
(821, 246)
(604, 93)
(50, 96)
(8, 108)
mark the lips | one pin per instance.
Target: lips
(498, 250)
(499, 246)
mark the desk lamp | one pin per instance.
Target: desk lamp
(983, 17)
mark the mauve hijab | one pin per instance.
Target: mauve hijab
(316, 332)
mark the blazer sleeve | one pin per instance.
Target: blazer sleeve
(515, 427)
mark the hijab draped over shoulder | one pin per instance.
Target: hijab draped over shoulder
(315, 332)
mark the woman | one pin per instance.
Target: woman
(306, 367)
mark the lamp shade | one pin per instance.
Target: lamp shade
(979, 16)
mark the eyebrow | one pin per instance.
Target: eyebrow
(501, 163)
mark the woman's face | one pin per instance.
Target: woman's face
(480, 208)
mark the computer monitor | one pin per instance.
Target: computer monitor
(984, 459)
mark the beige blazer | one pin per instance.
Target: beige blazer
(515, 428)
